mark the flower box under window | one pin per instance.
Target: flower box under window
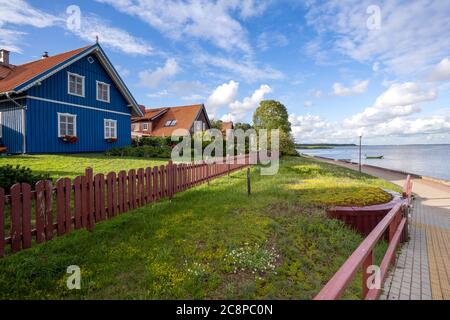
(69, 139)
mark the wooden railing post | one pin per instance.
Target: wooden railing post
(365, 266)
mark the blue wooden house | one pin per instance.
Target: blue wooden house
(67, 103)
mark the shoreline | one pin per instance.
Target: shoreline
(413, 175)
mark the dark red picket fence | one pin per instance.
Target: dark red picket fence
(33, 216)
(395, 223)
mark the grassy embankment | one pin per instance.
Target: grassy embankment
(209, 242)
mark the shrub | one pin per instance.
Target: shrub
(10, 175)
(153, 142)
(141, 152)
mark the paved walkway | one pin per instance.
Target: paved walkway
(422, 268)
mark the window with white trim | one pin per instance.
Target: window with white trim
(103, 91)
(170, 123)
(110, 129)
(145, 127)
(67, 124)
(75, 84)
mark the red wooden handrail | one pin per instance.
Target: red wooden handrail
(362, 257)
(397, 223)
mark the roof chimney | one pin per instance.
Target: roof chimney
(4, 57)
(45, 55)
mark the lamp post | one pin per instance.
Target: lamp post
(360, 152)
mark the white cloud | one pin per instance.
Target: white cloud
(225, 96)
(111, 37)
(313, 128)
(20, 13)
(358, 87)
(193, 97)
(153, 78)
(400, 100)
(244, 69)
(211, 21)
(376, 66)
(124, 72)
(222, 96)
(441, 71)
(408, 93)
(308, 104)
(409, 40)
(160, 94)
(241, 109)
(267, 40)
(316, 93)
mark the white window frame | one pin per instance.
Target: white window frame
(145, 126)
(74, 123)
(83, 84)
(109, 91)
(115, 128)
(171, 123)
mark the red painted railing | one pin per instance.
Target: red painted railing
(395, 223)
(35, 216)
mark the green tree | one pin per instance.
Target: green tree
(216, 124)
(272, 115)
(243, 126)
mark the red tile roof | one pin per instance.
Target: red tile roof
(184, 115)
(227, 126)
(14, 76)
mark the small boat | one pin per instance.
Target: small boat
(374, 157)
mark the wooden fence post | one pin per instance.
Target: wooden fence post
(16, 212)
(60, 204)
(90, 198)
(26, 216)
(48, 210)
(170, 179)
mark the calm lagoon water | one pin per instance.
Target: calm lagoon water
(426, 160)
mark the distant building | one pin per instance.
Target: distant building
(227, 126)
(67, 103)
(162, 122)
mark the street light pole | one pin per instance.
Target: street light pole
(360, 153)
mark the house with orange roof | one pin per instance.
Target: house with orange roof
(66, 103)
(226, 127)
(163, 122)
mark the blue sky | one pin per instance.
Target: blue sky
(380, 68)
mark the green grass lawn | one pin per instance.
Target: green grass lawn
(73, 165)
(211, 242)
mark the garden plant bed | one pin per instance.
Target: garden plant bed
(364, 219)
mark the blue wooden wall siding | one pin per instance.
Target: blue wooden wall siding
(42, 129)
(55, 87)
(12, 127)
(42, 118)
